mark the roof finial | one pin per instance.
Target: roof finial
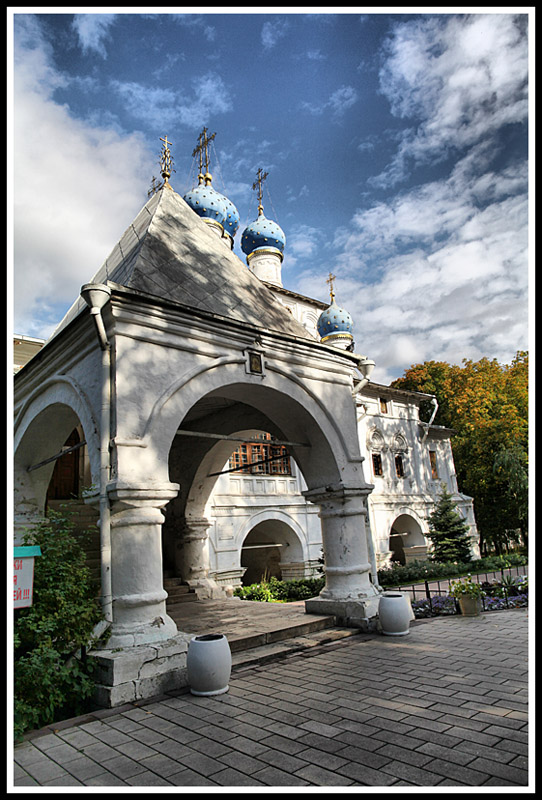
(166, 161)
(203, 152)
(330, 281)
(259, 183)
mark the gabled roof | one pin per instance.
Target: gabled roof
(168, 252)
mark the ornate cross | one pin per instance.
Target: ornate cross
(330, 281)
(165, 160)
(259, 183)
(202, 150)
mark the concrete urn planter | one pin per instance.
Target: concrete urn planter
(470, 606)
(395, 614)
(208, 664)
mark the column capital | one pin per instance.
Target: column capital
(141, 495)
(194, 528)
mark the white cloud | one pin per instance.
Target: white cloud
(74, 184)
(93, 31)
(209, 95)
(273, 31)
(459, 78)
(338, 103)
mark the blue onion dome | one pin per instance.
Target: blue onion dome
(335, 323)
(207, 202)
(232, 219)
(262, 234)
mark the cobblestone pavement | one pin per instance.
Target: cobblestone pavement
(444, 706)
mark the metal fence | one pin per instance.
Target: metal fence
(433, 590)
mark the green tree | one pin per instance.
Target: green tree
(449, 534)
(486, 404)
(50, 680)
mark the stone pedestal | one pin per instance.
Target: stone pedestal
(348, 593)
(125, 675)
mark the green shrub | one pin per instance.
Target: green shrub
(51, 679)
(274, 590)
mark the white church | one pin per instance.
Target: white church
(219, 427)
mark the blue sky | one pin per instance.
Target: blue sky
(395, 144)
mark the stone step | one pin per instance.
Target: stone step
(268, 652)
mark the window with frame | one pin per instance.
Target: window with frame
(383, 405)
(378, 470)
(274, 458)
(433, 463)
(399, 466)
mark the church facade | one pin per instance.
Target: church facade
(173, 357)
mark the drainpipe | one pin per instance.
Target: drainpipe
(366, 366)
(96, 295)
(434, 403)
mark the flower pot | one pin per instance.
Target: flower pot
(395, 613)
(208, 664)
(470, 606)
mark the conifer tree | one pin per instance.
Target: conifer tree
(447, 531)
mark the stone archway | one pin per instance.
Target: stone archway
(42, 427)
(271, 548)
(407, 542)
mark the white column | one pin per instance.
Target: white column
(348, 592)
(139, 599)
(192, 557)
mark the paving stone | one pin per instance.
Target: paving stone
(243, 763)
(83, 768)
(199, 762)
(320, 728)
(507, 733)
(135, 750)
(162, 764)
(467, 775)
(277, 742)
(270, 776)
(187, 777)
(62, 753)
(210, 747)
(27, 754)
(147, 779)
(44, 770)
(364, 742)
(124, 767)
(498, 770)
(419, 777)
(323, 777)
(245, 745)
(230, 777)
(397, 753)
(65, 780)
(78, 738)
(366, 776)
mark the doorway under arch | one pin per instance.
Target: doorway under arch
(407, 541)
(269, 550)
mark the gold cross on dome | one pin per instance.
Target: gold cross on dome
(259, 183)
(202, 150)
(330, 281)
(165, 160)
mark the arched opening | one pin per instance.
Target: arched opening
(52, 464)
(270, 550)
(209, 434)
(407, 542)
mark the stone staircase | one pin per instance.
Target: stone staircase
(178, 592)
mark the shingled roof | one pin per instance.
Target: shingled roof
(169, 253)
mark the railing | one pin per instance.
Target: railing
(431, 588)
